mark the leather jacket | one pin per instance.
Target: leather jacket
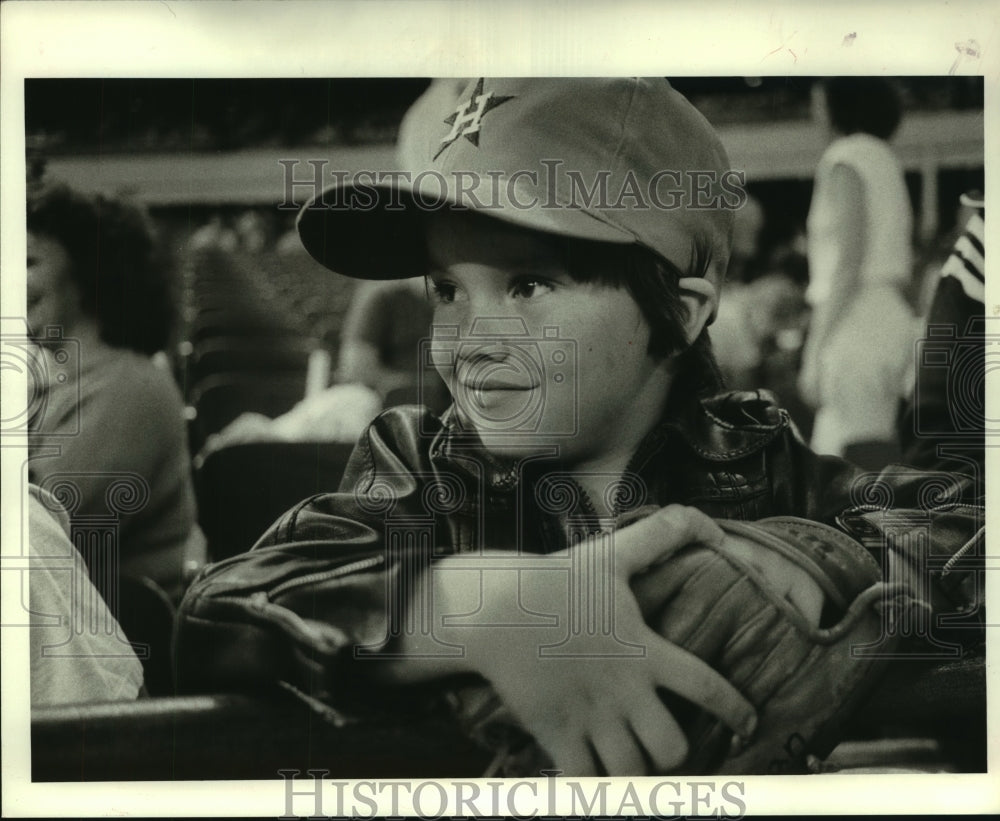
(313, 595)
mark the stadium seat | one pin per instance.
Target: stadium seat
(220, 398)
(213, 322)
(243, 488)
(147, 618)
(260, 357)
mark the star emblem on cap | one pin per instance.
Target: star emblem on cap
(466, 119)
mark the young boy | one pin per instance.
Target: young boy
(573, 234)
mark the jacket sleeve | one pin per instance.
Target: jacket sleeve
(312, 596)
(824, 488)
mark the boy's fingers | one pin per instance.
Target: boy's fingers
(661, 533)
(687, 675)
(573, 756)
(660, 734)
(620, 752)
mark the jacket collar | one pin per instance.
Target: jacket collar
(719, 428)
(729, 425)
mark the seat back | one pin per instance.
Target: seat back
(146, 615)
(233, 736)
(243, 488)
(220, 398)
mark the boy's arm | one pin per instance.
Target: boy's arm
(320, 585)
(314, 587)
(589, 697)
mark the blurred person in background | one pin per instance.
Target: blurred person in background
(380, 343)
(861, 335)
(94, 275)
(71, 664)
(757, 335)
(339, 413)
(378, 366)
(747, 228)
(214, 234)
(943, 424)
(734, 337)
(767, 321)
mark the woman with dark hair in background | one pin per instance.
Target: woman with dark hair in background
(111, 430)
(861, 335)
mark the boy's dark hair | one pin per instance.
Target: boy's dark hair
(114, 262)
(871, 105)
(654, 285)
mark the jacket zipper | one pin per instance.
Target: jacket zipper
(648, 448)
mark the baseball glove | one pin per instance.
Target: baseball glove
(803, 677)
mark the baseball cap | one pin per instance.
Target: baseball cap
(619, 160)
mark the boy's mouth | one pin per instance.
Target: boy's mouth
(508, 394)
(495, 386)
(495, 377)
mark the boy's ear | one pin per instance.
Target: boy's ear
(701, 300)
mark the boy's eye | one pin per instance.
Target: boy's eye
(528, 287)
(442, 292)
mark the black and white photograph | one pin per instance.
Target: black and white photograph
(568, 426)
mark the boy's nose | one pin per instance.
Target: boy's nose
(498, 326)
(488, 337)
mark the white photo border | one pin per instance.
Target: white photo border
(430, 38)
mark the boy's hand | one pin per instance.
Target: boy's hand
(592, 703)
(785, 577)
(751, 607)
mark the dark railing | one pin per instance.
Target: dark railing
(241, 736)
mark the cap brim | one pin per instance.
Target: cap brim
(376, 231)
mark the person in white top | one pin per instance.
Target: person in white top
(861, 335)
(79, 654)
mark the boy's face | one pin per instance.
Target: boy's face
(534, 359)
